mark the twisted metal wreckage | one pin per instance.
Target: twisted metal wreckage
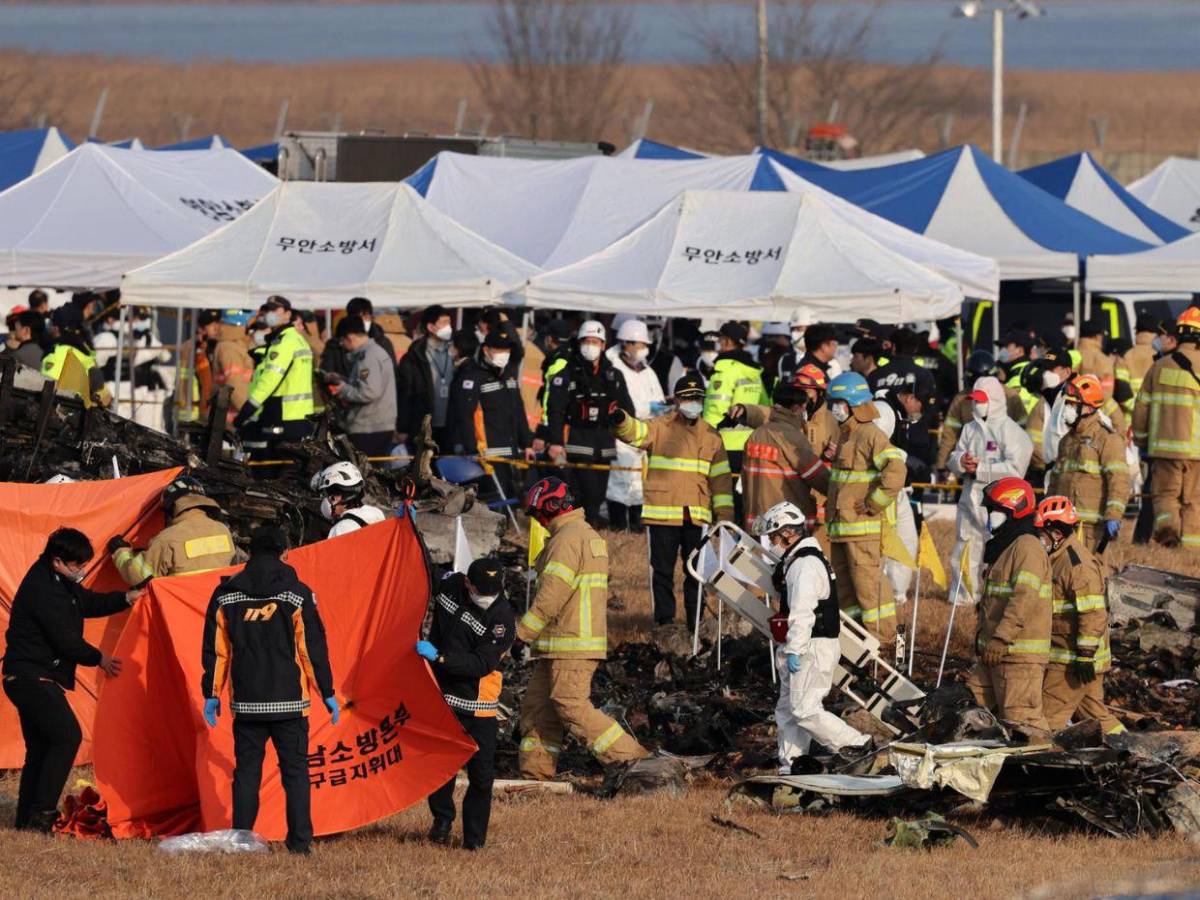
(709, 704)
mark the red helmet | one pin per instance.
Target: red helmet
(1013, 495)
(1056, 509)
(548, 498)
(809, 377)
(1084, 389)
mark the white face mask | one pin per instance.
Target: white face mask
(1070, 413)
(500, 360)
(996, 521)
(798, 339)
(708, 357)
(444, 333)
(141, 325)
(637, 354)
(914, 417)
(590, 352)
(1069, 332)
(981, 411)
(273, 319)
(1050, 381)
(691, 409)
(1156, 344)
(841, 412)
(1003, 355)
(366, 320)
(326, 508)
(483, 601)
(260, 338)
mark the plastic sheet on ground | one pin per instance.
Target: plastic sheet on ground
(969, 768)
(227, 840)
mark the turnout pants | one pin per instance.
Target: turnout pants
(557, 701)
(1066, 696)
(481, 772)
(290, 737)
(800, 717)
(668, 543)
(52, 738)
(1175, 491)
(1013, 691)
(863, 591)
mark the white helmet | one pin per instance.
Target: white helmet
(887, 418)
(800, 318)
(781, 515)
(342, 476)
(591, 329)
(634, 330)
(775, 329)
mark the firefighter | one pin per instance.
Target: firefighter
(736, 379)
(688, 485)
(1091, 470)
(1092, 358)
(960, 411)
(341, 488)
(73, 339)
(262, 627)
(1138, 359)
(473, 627)
(1079, 649)
(579, 399)
(195, 540)
(229, 361)
(1166, 425)
(566, 628)
(868, 473)
(1013, 636)
(280, 399)
(487, 415)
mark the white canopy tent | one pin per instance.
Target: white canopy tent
(1171, 267)
(1172, 188)
(319, 244)
(100, 211)
(758, 255)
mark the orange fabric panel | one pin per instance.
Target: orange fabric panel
(163, 771)
(101, 510)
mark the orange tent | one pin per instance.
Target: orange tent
(101, 510)
(163, 771)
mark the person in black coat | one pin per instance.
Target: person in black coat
(45, 644)
(424, 377)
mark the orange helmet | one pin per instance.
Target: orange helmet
(1189, 318)
(1012, 494)
(1085, 389)
(809, 377)
(1056, 509)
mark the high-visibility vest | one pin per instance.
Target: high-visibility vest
(53, 363)
(286, 375)
(733, 382)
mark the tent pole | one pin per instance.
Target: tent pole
(191, 360)
(959, 350)
(1087, 309)
(1076, 310)
(329, 324)
(120, 348)
(996, 321)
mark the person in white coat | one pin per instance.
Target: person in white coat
(630, 357)
(807, 649)
(341, 488)
(991, 446)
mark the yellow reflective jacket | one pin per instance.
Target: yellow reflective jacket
(1016, 605)
(867, 469)
(1166, 415)
(1138, 359)
(735, 379)
(1094, 361)
(687, 470)
(1091, 471)
(53, 362)
(568, 618)
(284, 378)
(193, 542)
(1080, 615)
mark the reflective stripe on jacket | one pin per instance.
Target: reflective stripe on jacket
(868, 469)
(781, 465)
(733, 381)
(193, 542)
(1016, 605)
(285, 376)
(1092, 472)
(1080, 615)
(1166, 415)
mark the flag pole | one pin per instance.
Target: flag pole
(912, 650)
(949, 627)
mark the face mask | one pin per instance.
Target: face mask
(709, 358)
(590, 352)
(798, 339)
(500, 360)
(74, 575)
(141, 326)
(1003, 355)
(914, 417)
(260, 338)
(996, 521)
(1070, 413)
(273, 319)
(326, 508)
(483, 601)
(444, 333)
(1069, 332)
(981, 411)
(638, 354)
(841, 412)
(1050, 381)
(366, 320)
(1157, 345)
(691, 410)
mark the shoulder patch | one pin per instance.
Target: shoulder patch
(557, 381)
(363, 373)
(468, 385)
(499, 630)
(599, 548)
(273, 354)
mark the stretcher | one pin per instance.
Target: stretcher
(738, 570)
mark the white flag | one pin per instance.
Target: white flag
(462, 548)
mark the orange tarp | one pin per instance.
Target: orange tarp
(163, 771)
(101, 510)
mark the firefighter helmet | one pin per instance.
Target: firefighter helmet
(1084, 389)
(1189, 322)
(851, 387)
(344, 477)
(1056, 509)
(781, 515)
(548, 498)
(1012, 495)
(180, 487)
(810, 378)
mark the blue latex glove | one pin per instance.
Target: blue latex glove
(793, 663)
(1112, 528)
(212, 709)
(427, 651)
(335, 709)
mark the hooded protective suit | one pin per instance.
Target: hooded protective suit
(646, 393)
(1002, 448)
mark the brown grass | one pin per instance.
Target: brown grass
(633, 847)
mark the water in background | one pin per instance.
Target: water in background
(1076, 34)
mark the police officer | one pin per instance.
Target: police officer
(473, 627)
(195, 540)
(341, 488)
(281, 392)
(262, 627)
(737, 379)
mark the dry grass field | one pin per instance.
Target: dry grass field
(633, 847)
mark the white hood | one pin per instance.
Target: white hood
(997, 403)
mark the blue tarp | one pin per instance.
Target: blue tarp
(208, 142)
(19, 152)
(648, 149)
(263, 153)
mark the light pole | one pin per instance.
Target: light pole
(970, 9)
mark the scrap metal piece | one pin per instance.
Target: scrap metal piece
(925, 833)
(1139, 591)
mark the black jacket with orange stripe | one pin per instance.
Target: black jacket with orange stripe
(470, 643)
(262, 633)
(487, 412)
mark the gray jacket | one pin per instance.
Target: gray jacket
(28, 354)
(369, 391)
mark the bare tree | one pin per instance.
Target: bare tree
(556, 67)
(817, 64)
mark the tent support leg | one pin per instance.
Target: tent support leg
(1075, 309)
(117, 369)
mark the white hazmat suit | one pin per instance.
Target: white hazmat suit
(1002, 449)
(645, 391)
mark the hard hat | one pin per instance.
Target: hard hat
(1189, 321)
(591, 329)
(800, 318)
(548, 498)
(775, 329)
(980, 363)
(810, 377)
(180, 487)
(1012, 495)
(1084, 389)
(634, 330)
(1056, 509)
(851, 387)
(781, 515)
(236, 317)
(341, 476)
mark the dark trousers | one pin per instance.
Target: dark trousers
(481, 771)
(376, 443)
(1143, 529)
(290, 737)
(668, 543)
(622, 517)
(259, 441)
(589, 487)
(735, 466)
(52, 738)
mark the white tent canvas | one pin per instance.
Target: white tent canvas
(1171, 267)
(873, 162)
(1173, 189)
(322, 243)
(759, 255)
(100, 211)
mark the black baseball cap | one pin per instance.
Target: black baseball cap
(690, 386)
(208, 316)
(486, 576)
(735, 331)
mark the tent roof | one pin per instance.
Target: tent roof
(321, 243)
(208, 142)
(749, 254)
(23, 153)
(1170, 267)
(1173, 189)
(262, 153)
(644, 148)
(100, 211)
(1082, 183)
(962, 197)
(871, 162)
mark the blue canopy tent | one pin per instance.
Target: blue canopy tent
(208, 142)
(263, 153)
(1082, 183)
(643, 148)
(25, 152)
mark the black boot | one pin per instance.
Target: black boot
(439, 831)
